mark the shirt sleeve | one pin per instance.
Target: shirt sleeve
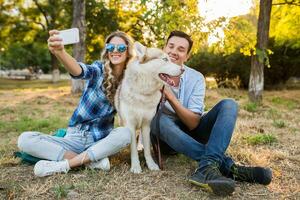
(196, 100)
(89, 71)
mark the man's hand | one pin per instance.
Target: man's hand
(54, 42)
(189, 118)
(168, 94)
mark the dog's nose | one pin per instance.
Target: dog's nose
(182, 69)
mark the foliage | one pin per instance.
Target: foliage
(284, 61)
(28, 29)
(24, 31)
(33, 54)
(167, 15)
(228, 59)
(222, 67)
(10, 24)
(240, 34)
(285, 25)
(100, 22)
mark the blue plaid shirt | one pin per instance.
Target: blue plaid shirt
(94, 112)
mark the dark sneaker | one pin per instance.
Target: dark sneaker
(210, 179)
(251, 174)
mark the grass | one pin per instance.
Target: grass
(61, 191)
(279, 123)
(273, 113)
(251, 107)
(290, 104)
(261, 139)
(43, 125)
(265, 135)
(6, 84)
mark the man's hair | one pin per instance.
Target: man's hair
(182, 35)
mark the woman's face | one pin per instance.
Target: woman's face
(117, 51)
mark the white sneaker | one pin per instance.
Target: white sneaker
(102, 164)
(47, 168)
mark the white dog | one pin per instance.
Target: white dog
(138, 96)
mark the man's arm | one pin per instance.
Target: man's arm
(188, 117)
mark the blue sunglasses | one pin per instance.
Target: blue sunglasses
(112, 47)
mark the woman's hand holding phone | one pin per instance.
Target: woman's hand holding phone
(55, 44)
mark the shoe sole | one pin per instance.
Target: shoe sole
(220, 188)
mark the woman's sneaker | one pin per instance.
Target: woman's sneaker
(259, 175)
(210, 178)
(102, 164)
(47, 168)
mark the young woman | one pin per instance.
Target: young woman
(90, 136)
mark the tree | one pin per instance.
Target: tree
(26, 24)
(79, 48)
(240, 34)
(285, 23)
(164, 16)
(51, 11)
(258, 60)
(100, 21)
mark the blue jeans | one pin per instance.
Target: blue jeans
(208, 142)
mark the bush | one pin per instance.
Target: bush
(20, 56)
(225, 69)
(285, 63)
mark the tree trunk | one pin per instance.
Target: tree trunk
(55, 70)
(79, 48)
(256, 81)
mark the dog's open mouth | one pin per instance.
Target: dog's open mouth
(167, 78)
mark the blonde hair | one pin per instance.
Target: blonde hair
(111, 83)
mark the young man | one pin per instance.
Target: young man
(185, 128)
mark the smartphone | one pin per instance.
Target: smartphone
(69, 36)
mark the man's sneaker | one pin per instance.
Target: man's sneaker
(102, 164)
(210, 178)
(47, 168)
(251, 174)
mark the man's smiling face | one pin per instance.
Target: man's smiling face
(177, 49)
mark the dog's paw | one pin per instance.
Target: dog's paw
(136, 169)
(152, 166)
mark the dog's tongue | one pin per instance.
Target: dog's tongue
(167, 79)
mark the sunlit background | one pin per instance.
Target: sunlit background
(213, 9)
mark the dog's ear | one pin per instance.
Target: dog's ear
(140, 51)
